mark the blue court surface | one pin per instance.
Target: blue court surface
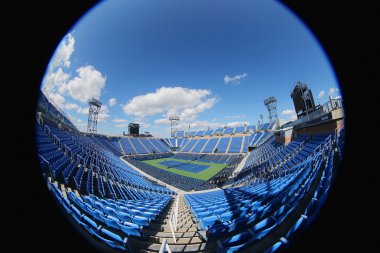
(190, 167)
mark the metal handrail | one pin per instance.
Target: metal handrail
(47, 162)
(176, 213)
(172, 226)
(326, 108)
(165, 246)
(174, 220)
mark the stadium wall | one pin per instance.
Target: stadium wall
(47, 119)
(327, 127)
(284, 136)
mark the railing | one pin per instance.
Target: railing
(262, 140)
(165, 246)
(329, 106)
(67, 150)
(323, 146)
(173, 226)
(57, 141)
(56, 107)
(174, 219)
(176, 212)
(47, 130)
(47, 163)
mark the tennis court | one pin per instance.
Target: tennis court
(190, 167)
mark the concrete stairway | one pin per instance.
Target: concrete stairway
(240, 167)
(228, 146)
(189, 237)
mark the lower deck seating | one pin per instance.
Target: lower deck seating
(239, 218)
(110, 221)
(111, 201)
(115, 203)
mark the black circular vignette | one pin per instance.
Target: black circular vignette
(32, 32)
(345, 32)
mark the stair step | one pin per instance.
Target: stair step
(63, 190)
(189, 226)
(185, 219)
(167, 226)
(189, 237)
(168, 234)
(170, 240)
(150, 251)
(155, 247)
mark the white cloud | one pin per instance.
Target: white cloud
(125, 125)
(236, 123)
(112, 102)
(82, 126)
(192, 113)
(117, 120)
(87, 84)
(283, 121)
(103, 114)
(64, 51)
(82, 110)
(198, 125)
(145, 125)
(235, 117)
(71, 106)
(171, 100)
(159, 134)
(235, 79)
(293, 117)
(53, 85)
(71, 117)
(55, 79)
(122, 123)
(321, 94)
(162, 121)
(57, 82)
(57, 99)
(290, 113)
(332, 91)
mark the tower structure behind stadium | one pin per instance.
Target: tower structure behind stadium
(94, 106)
(271, 104)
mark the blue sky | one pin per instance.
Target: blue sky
(210, 62)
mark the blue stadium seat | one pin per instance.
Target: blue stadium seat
(208, 221)
(130, 229)
(91, 222)
(111, 222)
(112, 239)
(296, 228)
(275, 247)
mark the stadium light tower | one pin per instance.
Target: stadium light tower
(173, 124)
(271, 104)
(93, 111)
